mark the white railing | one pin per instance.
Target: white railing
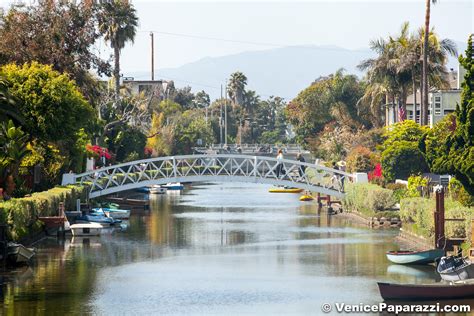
(204, 168)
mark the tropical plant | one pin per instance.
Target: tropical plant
(424, 88)
(236, 87)
(118, 23)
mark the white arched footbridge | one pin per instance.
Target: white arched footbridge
(205, 168)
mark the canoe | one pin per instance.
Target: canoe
(285, 190)
(429, 292)
(86, 229)
(455, 268)
(415, 257)
(306, 198)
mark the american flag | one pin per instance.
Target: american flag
(402, 114)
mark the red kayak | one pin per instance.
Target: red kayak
(435, 291)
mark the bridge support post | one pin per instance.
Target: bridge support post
(175, 168)
(255, 167)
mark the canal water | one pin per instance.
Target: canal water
(214, 249)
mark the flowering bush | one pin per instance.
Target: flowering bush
(148, 151)
(95, 151)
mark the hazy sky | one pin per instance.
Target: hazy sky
(189, 29)
(349, 24)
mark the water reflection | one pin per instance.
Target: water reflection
(213, 249)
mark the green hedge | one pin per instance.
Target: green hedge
(370, 200)
(417, 216)
(21, 214)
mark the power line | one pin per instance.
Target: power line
(250, 42)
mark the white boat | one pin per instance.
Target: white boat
(173, 186)
(455, 269)
(157, 189)
(86, 229)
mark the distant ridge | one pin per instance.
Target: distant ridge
(281, 71)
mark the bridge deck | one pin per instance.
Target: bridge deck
(205, 168)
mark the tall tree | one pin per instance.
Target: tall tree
(424, 105)
(118, 23)
(58, 33)
(457, 156)
(236, 87)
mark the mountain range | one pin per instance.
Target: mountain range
(280, 72)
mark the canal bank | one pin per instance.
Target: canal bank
(213, 249)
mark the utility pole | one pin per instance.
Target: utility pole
(220, 119)
(152, 58)
(225, 114)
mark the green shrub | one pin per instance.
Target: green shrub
(416, 185)
(402, 159)
(360, 159)
(399, 190)
(459, 193)
(21, 214)
(417, 214)
(368, 199)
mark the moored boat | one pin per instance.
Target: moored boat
(435, 291)
(110, 212)
(86, 229)
(100, 219)
(306, 198)
(455, 268)
(415, 257)
(156, 189)
(173, 186)
(285, 190)
(19, 254)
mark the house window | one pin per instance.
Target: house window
(446, 112)
(410, 115)
(437, 105)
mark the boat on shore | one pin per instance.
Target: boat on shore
(455, 268)
(18, 254)
(86, 229)
(415, 257)
(428, 292)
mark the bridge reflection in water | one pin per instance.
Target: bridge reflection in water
(218, 167)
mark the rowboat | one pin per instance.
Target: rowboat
(285, 190)
(455, 268)
(86, 229)
(435, 291)
(19, 254)
(415, 257)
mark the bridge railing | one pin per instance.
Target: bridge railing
(212, 168)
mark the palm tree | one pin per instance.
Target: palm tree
(118, 23)
(424, 104)
(236, 87)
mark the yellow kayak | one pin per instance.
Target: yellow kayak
(285, 190)
(306, 198)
